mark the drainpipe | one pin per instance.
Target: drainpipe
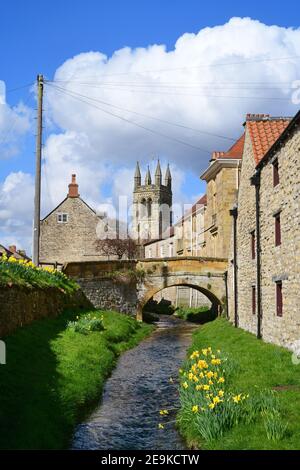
(234, 214)
(226, 292)
(255, 181)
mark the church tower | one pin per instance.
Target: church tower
(152, 204)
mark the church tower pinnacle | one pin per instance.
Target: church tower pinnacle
(137, 176)
(168, 177)
(158, 174)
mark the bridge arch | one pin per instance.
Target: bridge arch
(216, 302)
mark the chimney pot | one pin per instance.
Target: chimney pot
(12, 248)
(73, 187)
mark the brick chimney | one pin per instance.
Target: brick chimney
(12, 248)
(73, 188)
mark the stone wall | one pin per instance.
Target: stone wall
(221, 195)
(246, 266)
(20, 306)
(110, 285)
(281, 263)
(111, 294)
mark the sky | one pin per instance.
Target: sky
(128, 81)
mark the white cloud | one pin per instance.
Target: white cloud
(14, 123)
(185, 85)
(16, 210)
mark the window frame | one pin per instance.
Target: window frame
(62, 215)
(253, 293)
(279, 298)
(277, 229)
(276, 176)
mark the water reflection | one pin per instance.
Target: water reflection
(138, 388)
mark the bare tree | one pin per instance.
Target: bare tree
(117, 247)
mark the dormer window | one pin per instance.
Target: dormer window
(62, 218)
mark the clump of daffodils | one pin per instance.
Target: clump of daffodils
(205, 396)
(22, 271)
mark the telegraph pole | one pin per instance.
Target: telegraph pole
(38, 159)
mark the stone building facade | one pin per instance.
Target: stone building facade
(71, 230)
(266, 298)
(222, 178)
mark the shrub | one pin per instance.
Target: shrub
(86, 324)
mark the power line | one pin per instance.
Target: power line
(205, 95)
(221, 64)
(203, 85)
(19, 87)
(147, 116)
(174, 139)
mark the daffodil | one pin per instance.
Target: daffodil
(221, 393)
(195, 409)
(211, 406)
(216, 400)
(206, 387)
(237, 398)
(221, 380)
(161, 426)
(185, 385)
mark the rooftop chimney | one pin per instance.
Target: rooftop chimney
(73, 188)
(12, 248)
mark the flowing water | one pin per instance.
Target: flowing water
(138, 388)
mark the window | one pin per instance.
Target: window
(275, 173)
(253, 300)
(279, 298)
(62, 218)
(277, 230)
(253, 244)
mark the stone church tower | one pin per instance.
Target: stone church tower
(152, 204)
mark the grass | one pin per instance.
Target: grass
(24, 274)
(54, 376)
(259, 368)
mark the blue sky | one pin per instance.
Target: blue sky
(38, 37)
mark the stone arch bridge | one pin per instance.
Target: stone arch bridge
(127, 285)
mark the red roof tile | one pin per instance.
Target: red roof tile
(235, 151)
(264, 131)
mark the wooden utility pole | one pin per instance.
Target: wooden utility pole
(38, 159)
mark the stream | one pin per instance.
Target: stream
(127, 417)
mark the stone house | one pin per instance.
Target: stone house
(70, 231)
(222, 178)
(264, 268)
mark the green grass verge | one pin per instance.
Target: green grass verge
(259, 367)
(54, 376)
(24, 274)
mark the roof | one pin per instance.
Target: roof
(294, 123)
(264, 130)
(57, 207)
(235, 151)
